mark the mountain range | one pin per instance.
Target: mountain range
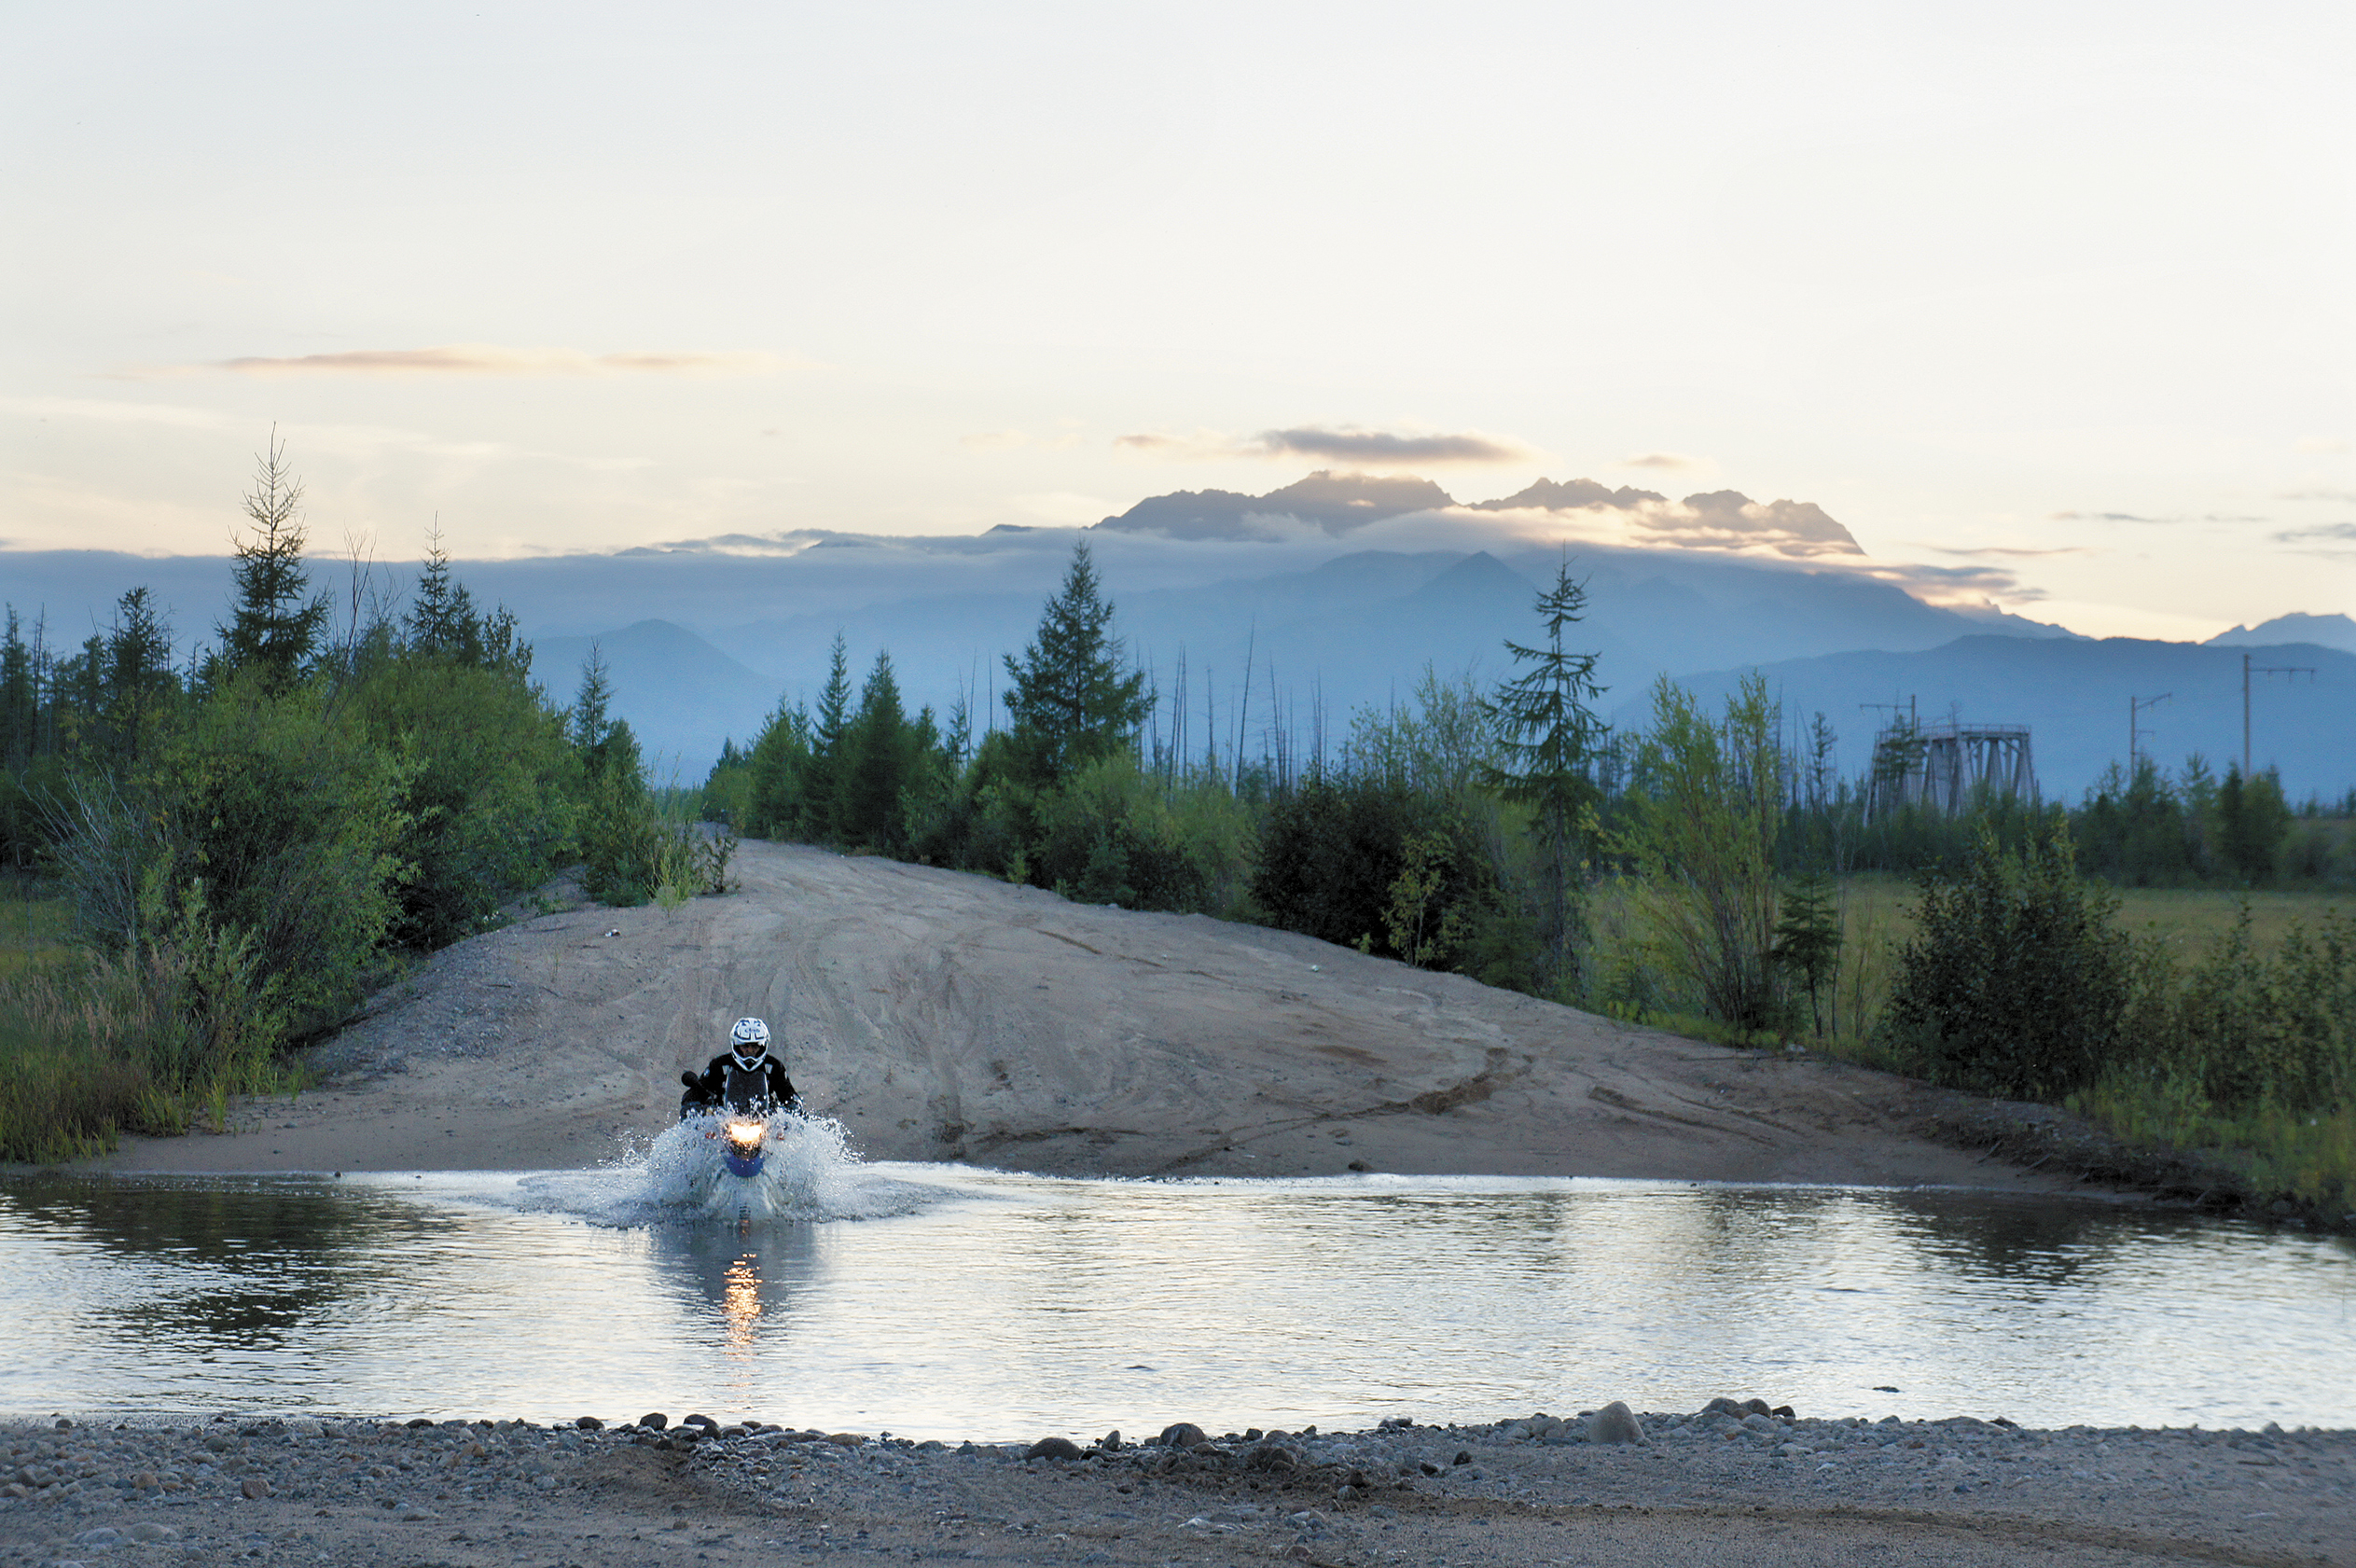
(1339, 590)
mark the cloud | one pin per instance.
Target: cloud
(2320, 444)
(1343, 444)
(1156, 444)
(1950, 586)
(485, 359)
(2336, 497)
(2007, 550)
(1352, 445)
(1711, 520)
(2156, 522)
(1662, 460)
(2328, 541)
(107, 412)
(2322, 531)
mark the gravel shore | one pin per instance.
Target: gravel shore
(1736, 1483)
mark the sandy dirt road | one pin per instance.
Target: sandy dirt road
(948, 1017)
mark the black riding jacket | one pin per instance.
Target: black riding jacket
(724, 1083)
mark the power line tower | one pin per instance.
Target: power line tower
(2248, 670)
(1947, 766)
(2135, 706)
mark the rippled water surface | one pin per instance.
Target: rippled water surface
(992, 1306)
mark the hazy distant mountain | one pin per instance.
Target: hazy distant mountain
(2073, 695)
(681, 695)
(1340, 503)
(2330, 632)
(1726, 518)
(712, 632)
(1546, 495)
(1335, 503)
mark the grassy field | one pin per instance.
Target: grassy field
(1876, 912)
(2189, 919)
(34, 929)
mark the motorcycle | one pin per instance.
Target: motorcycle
(742, 1135)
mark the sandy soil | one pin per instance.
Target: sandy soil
(947, 1017)
(1709, 1488)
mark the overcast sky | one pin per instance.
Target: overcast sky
(2063, 291)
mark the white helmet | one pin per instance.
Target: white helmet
(749, 1039)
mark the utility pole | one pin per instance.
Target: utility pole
(2135, 706)
(2248, 670)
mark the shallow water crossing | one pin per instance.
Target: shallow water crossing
(936, 1301)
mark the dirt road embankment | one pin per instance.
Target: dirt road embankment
(947, 1017)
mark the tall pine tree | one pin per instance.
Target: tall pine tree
(139, 676)
(276, 626)
(1070, 702)
(442, 622)
(1549, 734)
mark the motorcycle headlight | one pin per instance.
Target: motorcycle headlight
(745, 1135)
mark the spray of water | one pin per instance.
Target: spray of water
(680, 1175)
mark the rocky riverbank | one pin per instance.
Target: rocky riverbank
(1738, 1481)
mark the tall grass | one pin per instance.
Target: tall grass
(99, 1045)
(2246, 1057)
(93, 1043)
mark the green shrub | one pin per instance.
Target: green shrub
(1699, 832)
(283, 814)
(634, 850)
(487, 806)
(2016, 980)
(2245, 1031)
(1334, 852)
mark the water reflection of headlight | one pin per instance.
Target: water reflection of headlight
(741, 1297)
(745, 1135)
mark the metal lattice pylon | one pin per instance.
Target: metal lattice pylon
(1947, 766)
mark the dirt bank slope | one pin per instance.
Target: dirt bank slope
(948, 1017)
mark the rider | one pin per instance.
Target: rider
(743, 1078)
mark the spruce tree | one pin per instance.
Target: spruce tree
(590, 723)
(1549, 733)
(139, 677)
(276, 627)
(1808, 938)
(19, 699)
(876, 761)
(1070, 702)
(442, 622)
(819, 790)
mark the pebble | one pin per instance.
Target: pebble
(89, 1490)
(1615, 1424)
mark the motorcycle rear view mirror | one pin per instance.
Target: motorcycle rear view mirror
(688, 1078)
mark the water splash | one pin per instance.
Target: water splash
(808, 1172)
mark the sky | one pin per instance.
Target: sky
(2052, 299)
